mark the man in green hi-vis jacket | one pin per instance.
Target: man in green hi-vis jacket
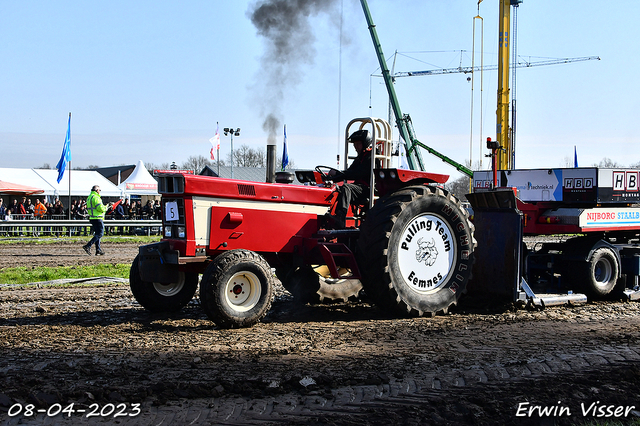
(96, 215)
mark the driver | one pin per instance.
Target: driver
(359, 172)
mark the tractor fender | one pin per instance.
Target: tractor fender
(392, 180)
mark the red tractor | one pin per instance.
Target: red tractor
(410, 247)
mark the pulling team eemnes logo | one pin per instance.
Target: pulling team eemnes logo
(426, 251)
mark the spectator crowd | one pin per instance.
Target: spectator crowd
(42, 209)
(39, 208)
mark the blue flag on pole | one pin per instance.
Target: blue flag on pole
(66, 152)
(575, 156)
(285, 155)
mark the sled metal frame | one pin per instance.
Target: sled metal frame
(632, 294)
(500, 233)
(527, 295)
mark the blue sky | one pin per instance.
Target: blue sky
(148, 80)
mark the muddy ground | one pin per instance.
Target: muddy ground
(343, 364)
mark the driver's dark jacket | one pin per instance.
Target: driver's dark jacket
(359, 171)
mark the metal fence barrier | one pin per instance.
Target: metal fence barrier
(15, 228)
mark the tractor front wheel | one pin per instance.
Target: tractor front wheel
(159, 297)
(237, 289)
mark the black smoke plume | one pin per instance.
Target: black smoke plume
(287, 28)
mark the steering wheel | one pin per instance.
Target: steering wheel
(324, 172)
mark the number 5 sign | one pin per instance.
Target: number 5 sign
(171, 211)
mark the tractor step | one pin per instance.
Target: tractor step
(336, 255)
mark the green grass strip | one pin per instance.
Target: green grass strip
(141, 240)
(24, 275)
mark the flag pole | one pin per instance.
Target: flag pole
(69, 216)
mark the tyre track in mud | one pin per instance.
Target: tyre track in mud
(343, 364)
(338, 364)
(64, 254)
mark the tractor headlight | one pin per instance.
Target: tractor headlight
(167, 231)
(181, 232)
(381, 174)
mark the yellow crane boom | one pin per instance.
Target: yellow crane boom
(502, 112)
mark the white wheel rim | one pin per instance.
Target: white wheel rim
(171, 289)
(603, 272)
(243, 291)
(426, 253)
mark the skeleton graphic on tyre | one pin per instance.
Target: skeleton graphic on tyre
(425, 271)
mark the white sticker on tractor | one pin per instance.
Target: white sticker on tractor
(426, 253)
(171, 211)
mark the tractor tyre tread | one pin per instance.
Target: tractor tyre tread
(220, 271)
(145, 293)
(374, 252)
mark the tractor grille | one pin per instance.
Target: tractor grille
(174, 229)
(246, 190)
(171, 184)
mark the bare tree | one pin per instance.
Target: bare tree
(45, 166)
(150, 167)
(290, 166)
(607, 163)
(247, 157)
(567, 162)
(459, 187)
(197, 163)
(462, 185)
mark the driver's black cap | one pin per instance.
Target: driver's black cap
(362, 136)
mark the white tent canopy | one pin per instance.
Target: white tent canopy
(81, 182)
(140, 182)
(26, 177)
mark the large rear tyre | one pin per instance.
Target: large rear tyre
(158, 297)
(309, 285)
(416, 251)
(237, 289)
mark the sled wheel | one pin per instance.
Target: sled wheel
(158, 297)
(314, 285)
(600, 273)
(237, 289)
(416, 251)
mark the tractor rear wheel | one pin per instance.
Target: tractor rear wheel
(416, 251)
(315, 285)
(158, 297)
(237, 289)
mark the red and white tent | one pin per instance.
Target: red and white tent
(46, 181)
(10, 188)
(140, 182)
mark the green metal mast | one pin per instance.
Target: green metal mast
(414, 157)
